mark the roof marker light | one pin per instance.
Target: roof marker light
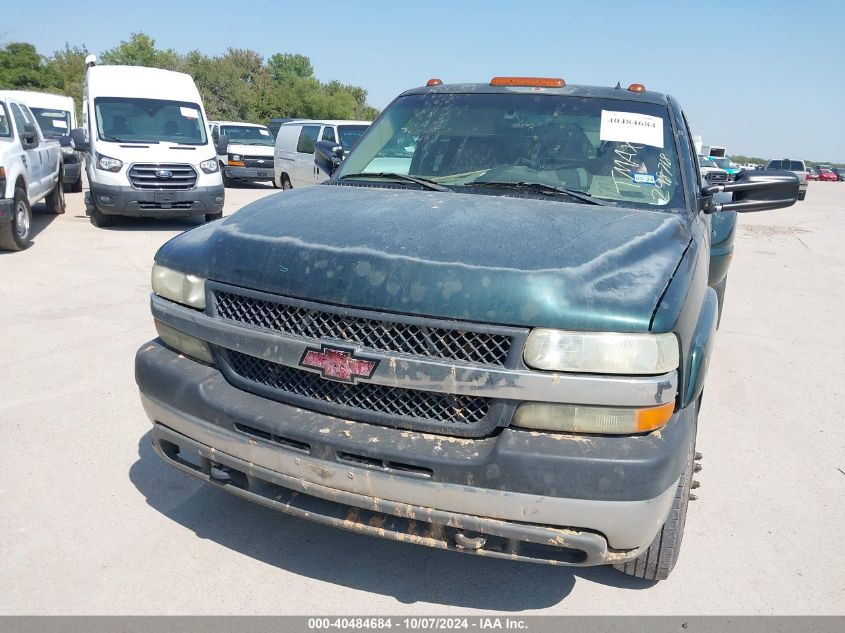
(434, 82)
(530, 82)
(636, 88)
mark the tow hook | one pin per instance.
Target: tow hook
(465, 542)
(220, 473)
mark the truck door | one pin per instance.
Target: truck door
(32, 158)
(303, 173)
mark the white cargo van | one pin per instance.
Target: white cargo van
(56, 116)
(293, 163)
(245, 153)
(149, 150)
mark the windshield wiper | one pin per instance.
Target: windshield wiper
(540, 187)
(115, 139)
(387, 175)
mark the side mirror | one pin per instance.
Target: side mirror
(754, 191)
(78, 140)
(223, 144)
(328, 156)
(29, 136)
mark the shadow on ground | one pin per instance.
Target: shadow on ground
(408, 573)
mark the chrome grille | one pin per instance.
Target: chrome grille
(151, 176)
(425, 406)
(377, 334)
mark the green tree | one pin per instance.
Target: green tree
(22, 67)
(141, 50)
(287, 65)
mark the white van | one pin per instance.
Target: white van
(149, 150)
(248, 151)
(293, 163)
(56, 116)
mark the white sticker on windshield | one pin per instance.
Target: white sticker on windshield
(264, 132)
(629, 127)
(190, 113)
(59, 123)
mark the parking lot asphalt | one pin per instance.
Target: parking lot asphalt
(95, 523)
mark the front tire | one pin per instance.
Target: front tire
(720, 295)
(56, 199)
(286, 186)
(98, 218)
(76, 187)
(802, 195)
(15, 235)
(211, 217)
(227, 182)
(658, 561)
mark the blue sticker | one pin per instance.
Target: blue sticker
(645, 179)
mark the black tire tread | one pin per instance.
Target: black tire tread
(658, 561)
(8, 236)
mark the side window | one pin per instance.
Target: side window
(328, 134)
(307, 138)
(20, 121)
(215, 133)
(5, 125)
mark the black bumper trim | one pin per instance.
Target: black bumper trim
(128, 201)
(386, 519)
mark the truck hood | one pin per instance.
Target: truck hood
(251, 150)
(484, 258)
(131, 153)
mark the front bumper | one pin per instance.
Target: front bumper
(541, 497)
(7, 208)
(118, 200)
(250, 173)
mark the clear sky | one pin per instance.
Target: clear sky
(761, 77)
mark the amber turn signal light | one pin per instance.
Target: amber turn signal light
(530, 82)
(636, 88)
(433, 82)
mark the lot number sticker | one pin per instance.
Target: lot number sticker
(189, 113)
(628, 127)
(59, 123)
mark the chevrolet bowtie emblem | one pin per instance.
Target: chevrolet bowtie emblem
(338, 364)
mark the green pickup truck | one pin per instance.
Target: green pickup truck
(487, 332)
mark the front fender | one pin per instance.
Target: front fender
(701, 344)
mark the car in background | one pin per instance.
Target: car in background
(30, 171)
(295, 145)
(839, 171)
(797, 167)
(56, 116)
(826, 174)
(244, 151)
(812, 173)
(727, 164)
(710, 172)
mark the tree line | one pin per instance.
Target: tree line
(239, 85)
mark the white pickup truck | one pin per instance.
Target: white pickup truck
(30, 171)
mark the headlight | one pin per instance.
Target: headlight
(185, 343)
(108, 164)
(68, 150)
(601, 352)
(182, 288)
(580, 419)
(209, 166)
(235, 157)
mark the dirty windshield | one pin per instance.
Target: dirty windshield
(614, 150)
(137, 120)
(247, 134)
